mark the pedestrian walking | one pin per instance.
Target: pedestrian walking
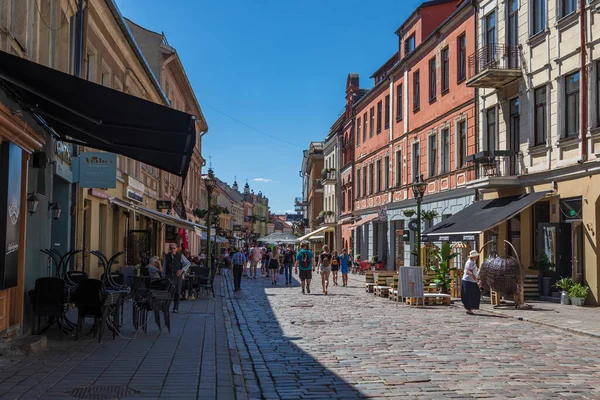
(304, 260)
(237, 260)
(256, 255)
(264, 262)
(470, 293)
(325, 268)
(273, 266)
(335, 267)
(174, 265)
(345, 262)
(289, 258)
(246, 253)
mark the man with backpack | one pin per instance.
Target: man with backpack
(288, 262)
(304, 263)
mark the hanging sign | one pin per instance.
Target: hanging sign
(96, 170)
(163, 204)
(10, 202)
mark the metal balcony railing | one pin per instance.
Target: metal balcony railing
(499, 163)
(495, 56)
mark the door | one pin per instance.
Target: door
(514, 135)
(139, 248)
(490, 41)
(512, 27)
(564, 266)
(548, 245)
(399, 242)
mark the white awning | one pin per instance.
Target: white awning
(159, 216)
(321, 229)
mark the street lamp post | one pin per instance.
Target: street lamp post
(209, 182)
(418, 188)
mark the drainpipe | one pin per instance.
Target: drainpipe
(476, 91)
(78, 71)
(584, 80)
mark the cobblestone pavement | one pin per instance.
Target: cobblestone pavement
(350, 344)
(193, 361)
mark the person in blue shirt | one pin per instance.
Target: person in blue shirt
(345, 262)
(304, 262)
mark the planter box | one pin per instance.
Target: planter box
(577, 301)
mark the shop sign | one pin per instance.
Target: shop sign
(98, 193)
(135, 184)
(133, 195)
(64, 171)
(96, 170)
(164, 204)
(383, 214)
(10, 202)
(63, 152)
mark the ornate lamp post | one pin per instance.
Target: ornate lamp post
(209, 182)
(418, 187)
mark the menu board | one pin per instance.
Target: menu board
(410, 282)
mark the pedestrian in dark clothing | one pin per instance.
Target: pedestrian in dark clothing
(237, 260)
(174, 265)
(289, 258)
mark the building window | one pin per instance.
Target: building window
(432, 79)
(445, 69)
(538, 16)
(386, 172)
(365, 127)
(540, 113)
(350, 200)
(416, 91)
(462, 58)
(491, 128)
(445, 147)
(399, 105)
(567, 7)
(358, 132)
(433, 154)
(416, 159)
(572, 105)
(461, 135)
(372, 131)
(386, 120)
(379, 116)
(358, 181)
(343, 201)
(364, 186)
(409, 45)
(371, 179)
(379, 186)
(398, 167)
(598, 94)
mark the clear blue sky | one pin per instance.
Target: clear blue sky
(278, 66)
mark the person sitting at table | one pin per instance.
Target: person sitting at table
(154, 268)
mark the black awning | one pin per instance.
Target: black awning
(479, 217)
(92, 115)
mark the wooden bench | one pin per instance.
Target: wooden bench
(393, 293)
(382, 286)
(369, 281)
(431, 299)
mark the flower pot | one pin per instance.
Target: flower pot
(564, 299)
(409, 214)
(546, 286)
(577, 301)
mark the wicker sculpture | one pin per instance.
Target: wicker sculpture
(503, 275)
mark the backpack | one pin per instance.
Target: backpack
(325, 260)
(304, 262)
(288, 257)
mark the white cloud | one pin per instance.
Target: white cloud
(264, 180)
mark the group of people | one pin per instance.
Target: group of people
(246, 261)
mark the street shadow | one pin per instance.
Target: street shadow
(490, 315)
(279, 355)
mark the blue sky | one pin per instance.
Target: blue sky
(276, 66)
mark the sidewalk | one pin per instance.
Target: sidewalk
(574, 319)
(194, 361)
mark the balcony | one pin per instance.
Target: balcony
(494, 66)
(318, 185)
(496, 169)
(329, 177)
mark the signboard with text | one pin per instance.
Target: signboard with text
(97, 170)
(10, 207)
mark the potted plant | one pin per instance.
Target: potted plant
(409, 213)
(577, 294)
(564, 284)
(441, 268)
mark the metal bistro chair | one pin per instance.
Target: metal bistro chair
(161, 295)
(94, 302)
(50, 300)
(210, 282)
(197, 275)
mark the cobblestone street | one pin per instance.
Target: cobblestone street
(272, 342)
(351, 344)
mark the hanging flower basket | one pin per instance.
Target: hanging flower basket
(429, 215)
(409, 213)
